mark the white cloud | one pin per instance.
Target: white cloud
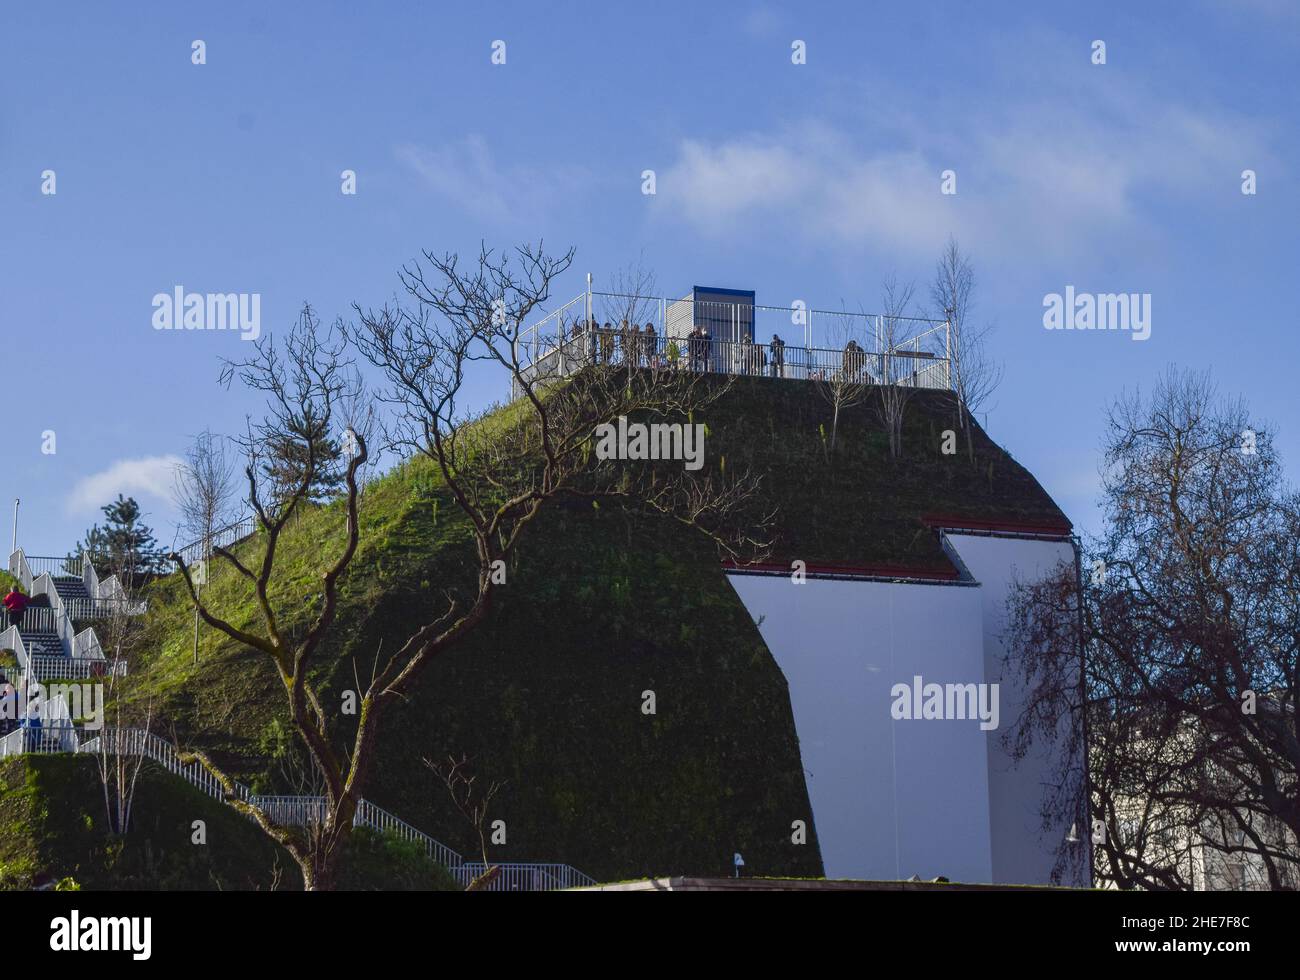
(149, 476)
(1050, 173)
(466, 173)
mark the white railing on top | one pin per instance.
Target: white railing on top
(592, 328)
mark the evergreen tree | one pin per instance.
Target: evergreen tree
(123, 544)
(287, 460)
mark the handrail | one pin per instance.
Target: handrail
(524, 876)
(89, 578)
(136, 741)
(11, 639)
(85, 646)
(20, 570)
(44, 584)
(221, 538)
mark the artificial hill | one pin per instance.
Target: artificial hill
(602, 605)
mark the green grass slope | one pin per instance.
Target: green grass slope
(54, 829)
(53, 825)
(601, 606)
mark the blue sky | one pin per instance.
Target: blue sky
(810, 181)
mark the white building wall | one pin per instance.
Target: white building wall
(893, 798)
(1022, 851)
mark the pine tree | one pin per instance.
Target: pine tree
(287, 460)
(123, 543)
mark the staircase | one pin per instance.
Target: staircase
(76, 599)
(46, 640)
(40, 637)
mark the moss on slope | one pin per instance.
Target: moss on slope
(53, 825)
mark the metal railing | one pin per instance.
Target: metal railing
(34, 619)
(523, 877)
(21, 570)
(66, 567)
(105, 597)
(45, 668)
(369, 815)
(33, 739)
(81, 608)
(301, 811)
(611, 329)
(288, 810)
(223, 538)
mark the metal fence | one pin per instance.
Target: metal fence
(369, 815)
(523, 877)
(45, 668)
(83, 608)
(287, 810)
(34, 619)
(66, 567)
(742, 339)
(30, 739)
(223, 538)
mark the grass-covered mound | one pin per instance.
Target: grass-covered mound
(858, 506)
(600, 607)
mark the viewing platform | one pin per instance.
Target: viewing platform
(723, 331)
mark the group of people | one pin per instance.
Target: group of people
(746, 356)
(626, 344)
(636, 346)
(644, 347)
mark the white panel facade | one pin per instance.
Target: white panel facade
(895, 797)
(1023, 851)
(890, 798)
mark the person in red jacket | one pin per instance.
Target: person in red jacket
(16, 603)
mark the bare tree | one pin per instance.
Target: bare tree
(632, 304)
(897, 385)
(204, 491)
(305, 380)
(500, 475)
(1190, 627)
(472, 804)
(975, 374)
(118, 630)
(850, 384)
(119, 770)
